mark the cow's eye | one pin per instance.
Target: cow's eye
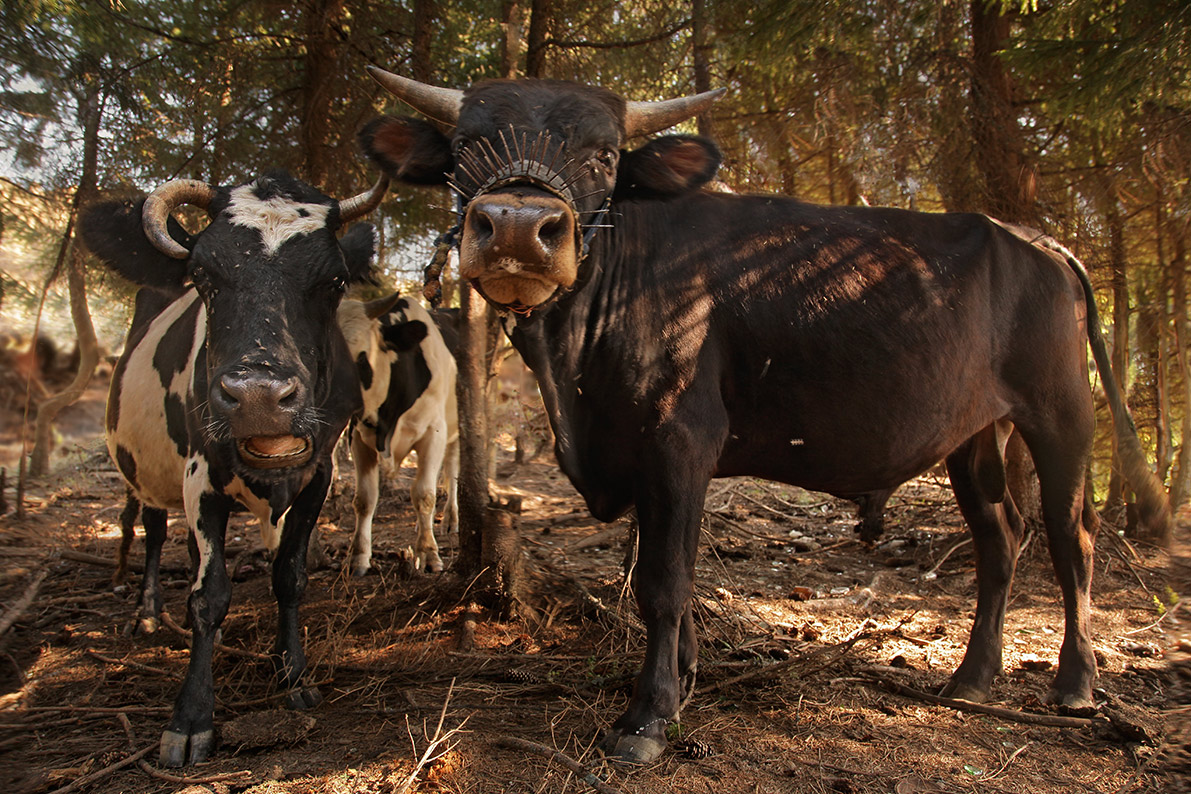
(606, 157)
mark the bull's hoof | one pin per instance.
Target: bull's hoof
(1070, 701)
(303, 697)
(633, 749)
(961, 691)
(178, 749)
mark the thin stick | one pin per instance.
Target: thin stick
(768, 670)
(14, 612)
(144, 668)
(431, 753)
(170, 624)
(947, 554)
(550, 753)
(107, 770)
(1026, 717)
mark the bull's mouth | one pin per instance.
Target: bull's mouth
(274, 452)
(519, 292)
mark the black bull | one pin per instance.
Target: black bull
(841, 349)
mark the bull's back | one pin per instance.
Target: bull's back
(147, 432)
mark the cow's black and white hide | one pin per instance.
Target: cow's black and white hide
(407, 374)
(233, 388)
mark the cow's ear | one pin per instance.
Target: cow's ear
(410, 150)
(359, 250)
(667, 166)
(112, 231)
(404, 337)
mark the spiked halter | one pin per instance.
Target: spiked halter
(537, 161)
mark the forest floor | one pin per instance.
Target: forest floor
(812, 647)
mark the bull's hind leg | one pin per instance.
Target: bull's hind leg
(132, 509)
(996, 533)
(1060, 459)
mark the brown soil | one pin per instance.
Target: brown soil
(825, 626)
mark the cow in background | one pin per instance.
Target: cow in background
(679, 335)
(407, 374)
(234, 386)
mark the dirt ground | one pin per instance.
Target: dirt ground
(809, 641)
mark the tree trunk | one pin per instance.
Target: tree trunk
(701, 61)
(473, 431)
(90, 114)
(514, 29)
(1120, 323)
(421, 60)
(1180, 485)
(321, 68)
(540, 12)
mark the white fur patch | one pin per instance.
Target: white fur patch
(277, 219)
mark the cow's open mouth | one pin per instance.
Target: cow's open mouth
(274, 452)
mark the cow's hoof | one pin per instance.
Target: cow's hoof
(962, 691)
(360, 571)
(147, 625)
(1070, 701)
(303, 697)
(174, 748)
(632, 749)
(430, 562)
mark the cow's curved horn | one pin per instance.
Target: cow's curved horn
(642, 118)
(440, 104)
(164, 200)
(366, 202)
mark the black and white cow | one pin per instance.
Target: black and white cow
(679, 335)
(407, 374)
(234, 386)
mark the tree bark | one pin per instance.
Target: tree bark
(320, 67)
(473, 430)
(701, 61)
(540, 12)
(1180, 485)
(1120, 321)
(514, 29)
(90, 114)
(421, 60)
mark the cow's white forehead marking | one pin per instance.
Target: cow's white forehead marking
(277, 219)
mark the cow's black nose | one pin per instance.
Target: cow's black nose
(255, 394)
(527, 229)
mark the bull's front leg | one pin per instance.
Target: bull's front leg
(190, 735)
(289, 583)
(669, 513)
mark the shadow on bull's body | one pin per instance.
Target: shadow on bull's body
(679, 335)
(234, 386)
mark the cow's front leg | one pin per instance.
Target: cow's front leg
(289, 583)
(669, 513)
(367, 464)
(190, 735)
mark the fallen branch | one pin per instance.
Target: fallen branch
(14, 612)
(144, 668)
(107, 770)
(550, 753)
(946, 554)
(431, 754)
(172, 625)
(1051, 720)
(771, 669)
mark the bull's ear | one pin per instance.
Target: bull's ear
(112, 231)
(359, 250)
(667, 166)
(404, 337)
(408, 149)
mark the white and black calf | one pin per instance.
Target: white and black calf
(407, 374)
(234, 386)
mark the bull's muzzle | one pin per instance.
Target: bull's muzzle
(520, 246)
(259, 412)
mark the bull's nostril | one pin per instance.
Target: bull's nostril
(552, 230)
(482, 225)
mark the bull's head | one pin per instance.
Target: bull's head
(270, 272)
(535, 164)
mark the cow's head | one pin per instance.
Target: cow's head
(535, 164)
(270, 272)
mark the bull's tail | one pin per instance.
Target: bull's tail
(1152, 503)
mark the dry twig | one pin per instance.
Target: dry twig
(1051, 720)
(439, 739)
(768, 670)
(153, 772)
(172, 625)
(550, 753)
(14, 612)
(144, 668)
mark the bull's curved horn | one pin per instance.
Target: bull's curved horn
(364, 203)
(440, 104)
(643, 118)
(164, 200)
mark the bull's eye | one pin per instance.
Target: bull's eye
(606, 158)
